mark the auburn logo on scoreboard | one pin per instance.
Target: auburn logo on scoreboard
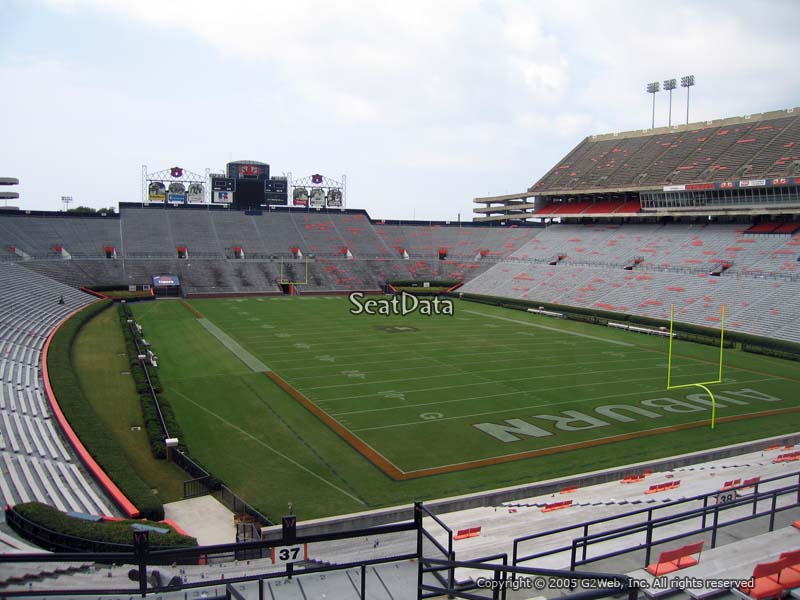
(249, 170)
(176, 172)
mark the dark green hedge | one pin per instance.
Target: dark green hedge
(84, 420)
(107, 288)
(137, 371)
(774, 352)
(86, 534)
(417, 283)
(687, 331)
(152, 424)
(420, 291)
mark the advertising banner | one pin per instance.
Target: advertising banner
(317, 198)
(162, 280)
(156, 192)
(335, 198)
(195, 193)
(300, 197)
(753, 183)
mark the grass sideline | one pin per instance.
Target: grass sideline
(83, 419)
(414, 388)
(102, 365)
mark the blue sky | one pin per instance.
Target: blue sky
(423, 105)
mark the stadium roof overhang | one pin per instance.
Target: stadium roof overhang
(504, 198)
(510, 207)
(596, 191)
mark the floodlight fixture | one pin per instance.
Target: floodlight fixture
(669, 85)
(653, 88)
(687, 81)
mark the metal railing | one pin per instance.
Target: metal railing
(147, 557)
(600, 585)
(241, 507)
(423, 535)
(649, 522)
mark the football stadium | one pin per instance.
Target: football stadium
(237, 386)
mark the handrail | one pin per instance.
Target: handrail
(645, 525)
(650, 526)
(612, 583)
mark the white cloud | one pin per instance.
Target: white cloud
(481, 90)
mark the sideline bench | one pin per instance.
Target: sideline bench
(680, 558)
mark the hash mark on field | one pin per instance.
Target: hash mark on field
(270, 448)
(354, 374)
(556, 329)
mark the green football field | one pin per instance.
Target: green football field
(385, 410)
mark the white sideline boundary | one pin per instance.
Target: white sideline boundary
(565, 331)
(234, 347)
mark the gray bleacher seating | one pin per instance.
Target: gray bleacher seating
(35, 462)
(744, 149)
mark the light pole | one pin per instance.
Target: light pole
(670, 84)
(653, 88)
(66, 200)
(687, 81)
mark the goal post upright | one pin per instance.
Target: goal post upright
(701, 384)
(283, 281)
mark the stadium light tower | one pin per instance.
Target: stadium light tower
(653, 88)
(687, 81)
(670, 84)
(66, 201)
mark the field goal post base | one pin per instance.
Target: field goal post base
(283, 281)
(703, 384)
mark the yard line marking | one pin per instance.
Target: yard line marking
(268, 447)
(657, 390)
(410, 350)
(583, 335)
(524, 363)
(441, 341)
(234, 347)
(499, 382)
(523, 392)
(462, 374)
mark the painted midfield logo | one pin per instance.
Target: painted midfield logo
(401, 304)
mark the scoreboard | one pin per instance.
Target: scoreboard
(247, 184)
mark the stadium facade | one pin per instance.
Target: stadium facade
(743, 166)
